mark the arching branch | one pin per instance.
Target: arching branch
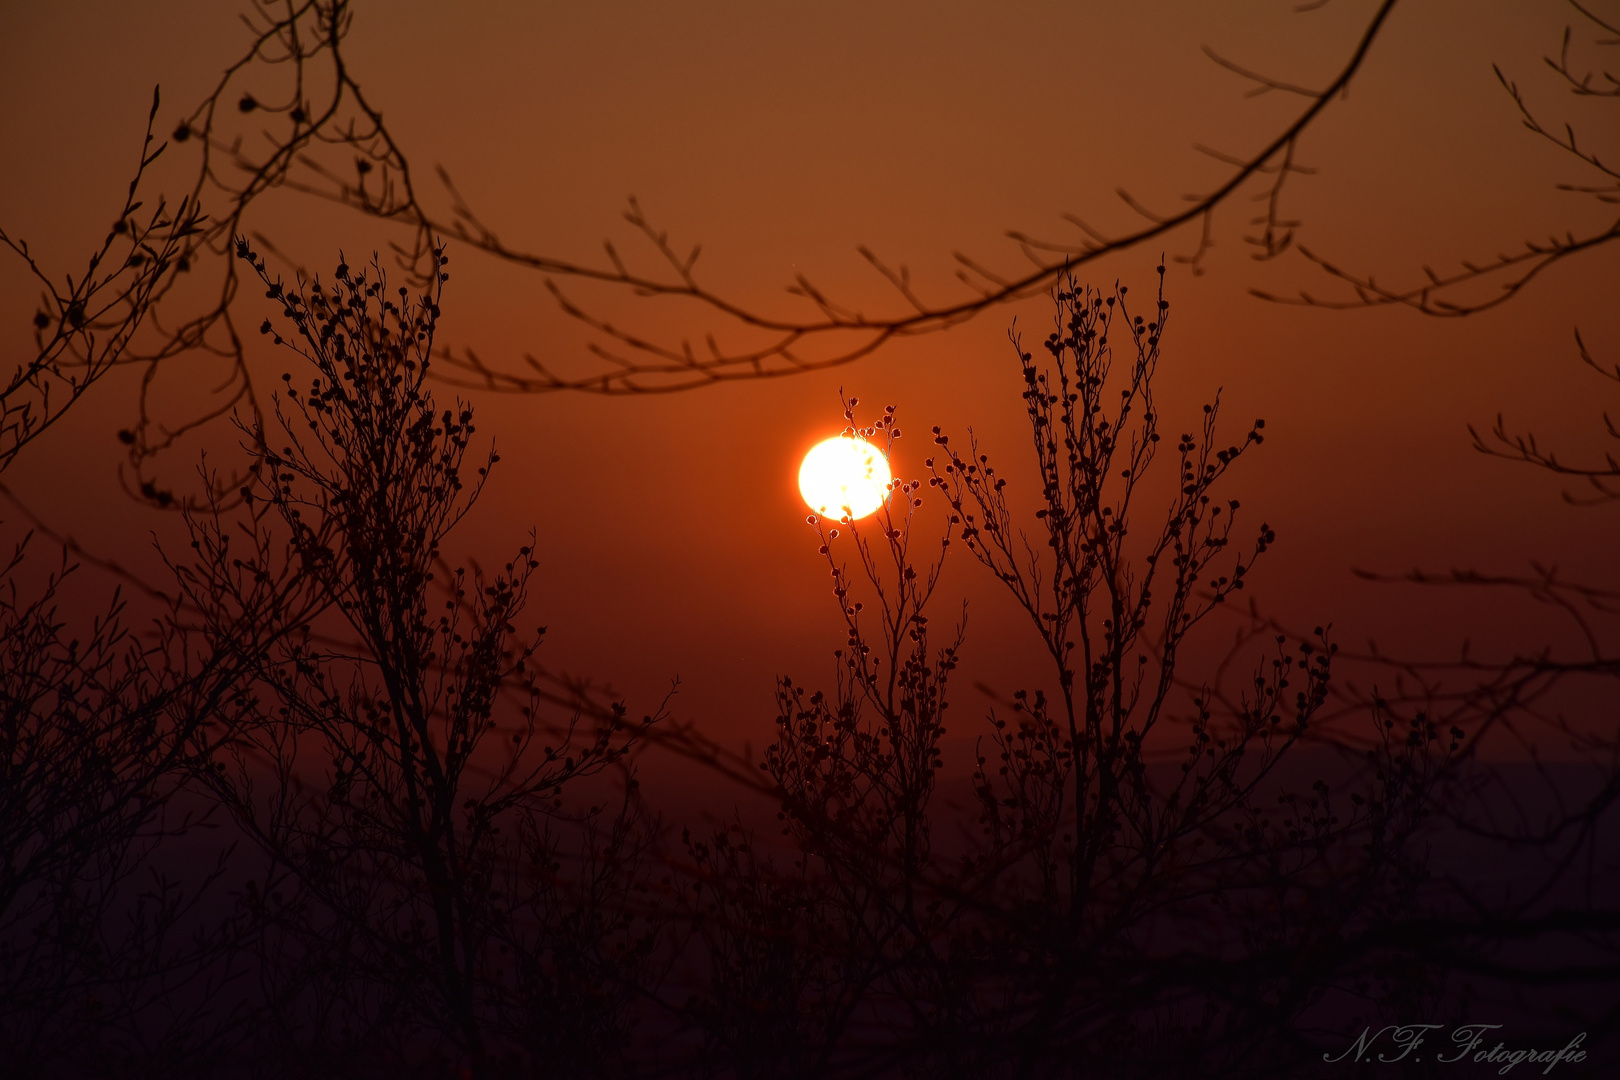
(316, 132)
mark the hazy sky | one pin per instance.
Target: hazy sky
(782, 135)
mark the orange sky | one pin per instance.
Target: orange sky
(782, 136)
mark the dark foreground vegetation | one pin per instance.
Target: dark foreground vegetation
(327, 815)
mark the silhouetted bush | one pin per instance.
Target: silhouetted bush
(397, 770)
(1104, 915)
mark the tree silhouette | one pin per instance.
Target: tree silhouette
(458, 874)
(396, 767)
(98, 731)
(104, 958)
(1143, 887)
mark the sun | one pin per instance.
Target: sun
(844, 476)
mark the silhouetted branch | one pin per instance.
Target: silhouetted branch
(87, 324)
(1454, 294)
(1525, 448)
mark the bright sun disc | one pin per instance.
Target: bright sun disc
(844, 475)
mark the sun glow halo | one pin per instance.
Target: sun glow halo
(844, 475)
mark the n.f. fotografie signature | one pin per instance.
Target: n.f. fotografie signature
(1468, 1044)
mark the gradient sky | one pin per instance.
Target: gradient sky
(781, 136)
